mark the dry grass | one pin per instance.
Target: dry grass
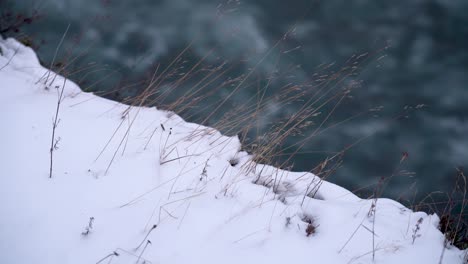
(189, 89)
(451, 209)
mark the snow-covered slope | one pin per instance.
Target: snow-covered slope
(144, 174)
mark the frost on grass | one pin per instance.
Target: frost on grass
(139, 185)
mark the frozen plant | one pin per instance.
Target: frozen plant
(89, 227)
(417, 228)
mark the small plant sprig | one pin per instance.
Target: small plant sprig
(416, 229)
(143, 241)
(54, 141)
(89, 227)
(56, 120)
(311, 226)
(204, 173)
(383, 181)
(310, 230)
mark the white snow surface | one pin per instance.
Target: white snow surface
(178, 178)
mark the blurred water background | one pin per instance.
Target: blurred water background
(411, 84)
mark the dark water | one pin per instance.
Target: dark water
(414, 69)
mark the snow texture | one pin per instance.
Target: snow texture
(171, 183)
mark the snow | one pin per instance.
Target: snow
(178, 178)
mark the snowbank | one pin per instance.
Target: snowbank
(144, 174)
